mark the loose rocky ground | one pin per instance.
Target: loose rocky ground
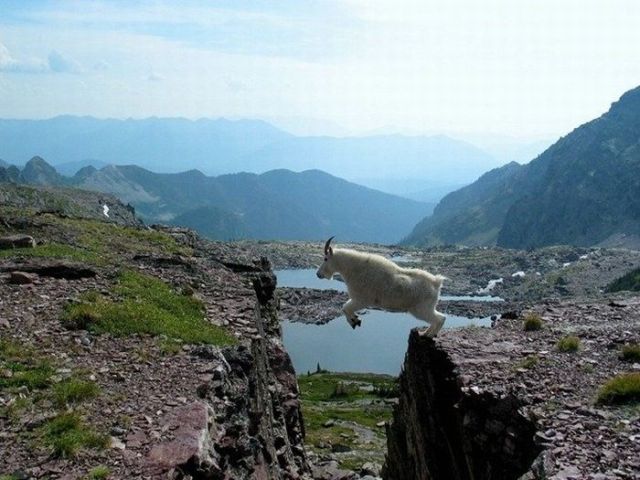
(76, 403)
(155, 393)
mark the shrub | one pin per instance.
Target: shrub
(80, 316)
(528, 362)
(532, 322)
(66, 434)
(73, 390)
(100, 472)
(630, 353)
(568, 344)
(624, 388)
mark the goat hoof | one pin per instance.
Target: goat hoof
(427, 332)
(357, 322)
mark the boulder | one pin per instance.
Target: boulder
(17, 241)
(22, 278)
(190, 443)
(54, 268)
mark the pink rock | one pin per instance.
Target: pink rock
(136, 439)
(190, 427)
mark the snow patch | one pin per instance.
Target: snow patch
(519, 274)
(490, 286)
(105, 210)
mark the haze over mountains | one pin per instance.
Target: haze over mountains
(279, 204)
(395, 163)
(583, 190)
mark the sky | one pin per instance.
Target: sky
(522, 68)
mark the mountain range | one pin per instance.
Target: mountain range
(394, 163)
(279, 204)
(583, 190)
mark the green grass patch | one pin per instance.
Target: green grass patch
(369, 415)
(624, 388)
(20, 366)
(169, 346)
(105, 238)
(101, 472)
(92, 241)
(74, 391)
(528, 362)
(532, 322)
(346, 403)
(630, 353)
(568, 344)
(325, 386)
(67, 434)
(145, 305)
(16, 408)
(11, 350)
(52, 250)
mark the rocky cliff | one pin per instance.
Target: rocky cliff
(505, 403)
(76, 398)
(583, 190)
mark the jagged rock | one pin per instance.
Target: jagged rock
(17, 241)
(56, 269)
(440, 430)
(189, 447)
(371, 468)
(22, 278)
(331, 471)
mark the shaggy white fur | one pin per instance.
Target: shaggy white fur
(374, 281)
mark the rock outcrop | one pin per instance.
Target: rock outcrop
(441, 431)
(504, 403)
(249, 425)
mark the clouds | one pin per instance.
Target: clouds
(10, 64)
(58, 63)
(55, 63)
(532, 67)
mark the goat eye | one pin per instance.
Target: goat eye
(326, 258)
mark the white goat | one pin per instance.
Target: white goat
(374, 281)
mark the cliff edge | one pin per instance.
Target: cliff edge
(505, 403)
(136, 352)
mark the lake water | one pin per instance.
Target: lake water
(378, 346)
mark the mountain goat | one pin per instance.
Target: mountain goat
(374, 281)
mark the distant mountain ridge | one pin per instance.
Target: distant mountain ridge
(278, 204)
(583, 190)
(220, 146)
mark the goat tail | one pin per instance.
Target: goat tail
(440, 279)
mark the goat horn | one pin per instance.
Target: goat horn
(326, 245)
